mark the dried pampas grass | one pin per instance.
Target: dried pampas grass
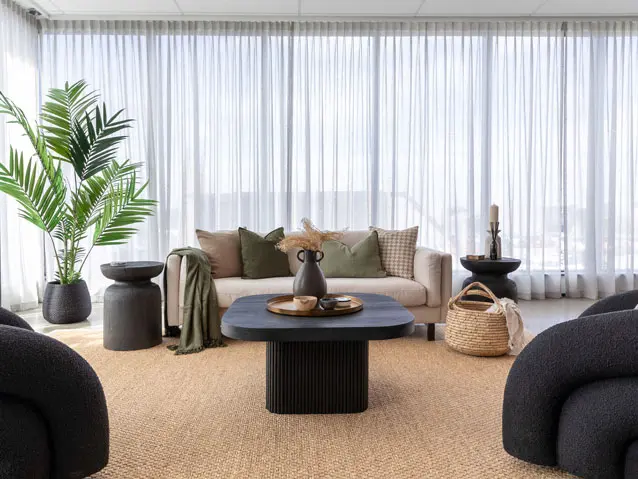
(311, 239)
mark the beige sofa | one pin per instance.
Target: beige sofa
(426, 296)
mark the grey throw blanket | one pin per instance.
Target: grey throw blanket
(201, 323)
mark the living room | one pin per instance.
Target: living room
(304, 238)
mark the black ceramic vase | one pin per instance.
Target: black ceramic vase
(309, 280)
(66, 303)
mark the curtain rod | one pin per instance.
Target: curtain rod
(353, 19)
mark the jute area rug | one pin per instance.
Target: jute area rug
(433, 413)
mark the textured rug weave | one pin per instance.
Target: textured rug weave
(433, 414)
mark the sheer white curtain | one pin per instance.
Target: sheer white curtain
(469, 116)
(601, 157)
(525, 133)
(385, 123)
(21, 259)
(211, 102)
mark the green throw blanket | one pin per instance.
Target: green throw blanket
(201, 325)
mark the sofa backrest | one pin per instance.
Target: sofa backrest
(349, 238)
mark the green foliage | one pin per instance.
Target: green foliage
(101, 202)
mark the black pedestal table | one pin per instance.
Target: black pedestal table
(132, 306)
(317, 365)
(493, 274)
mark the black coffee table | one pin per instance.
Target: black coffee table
(317, 365)
(493, 274)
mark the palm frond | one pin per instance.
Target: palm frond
(93, 192)
(123, 207)
(53, 172)
(94, 142)
(65, 107)
(41, 202)
(107, 197)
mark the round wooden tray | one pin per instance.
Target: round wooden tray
(284, 305)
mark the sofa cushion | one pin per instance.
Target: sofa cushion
(259, 254)
(349, 238)
(223, 252)
(405, 291)
(397, 250)
(359, 261)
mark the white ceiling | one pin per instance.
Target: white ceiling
(329, 8)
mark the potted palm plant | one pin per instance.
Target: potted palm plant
(73, 188)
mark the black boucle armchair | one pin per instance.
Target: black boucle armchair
(53, 416)
(571, 397)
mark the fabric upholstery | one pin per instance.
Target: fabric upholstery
(259, 256)
(596, 424)
(631, 460)
(361, 260)
(428, 270)
(223, 251)
(349, 238)
(570, 395)
(617, 302)
(24, 448)
(61, 386)
(171, 295)
(433, 271)
(8, 318)
(405, 291)
(397, 250)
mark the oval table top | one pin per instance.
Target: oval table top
(491, 266)
(381, 318)
(132, 270)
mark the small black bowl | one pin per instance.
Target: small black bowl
(328, 303)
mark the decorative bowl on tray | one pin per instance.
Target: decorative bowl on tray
(343, 304)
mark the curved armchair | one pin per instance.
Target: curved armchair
(53, 416)
(571, 395)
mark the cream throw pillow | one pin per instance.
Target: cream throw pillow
(223, 251)
(397, 251)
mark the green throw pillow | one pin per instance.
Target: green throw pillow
(259, 256)
(359, 261)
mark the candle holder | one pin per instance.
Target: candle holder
(494, 231)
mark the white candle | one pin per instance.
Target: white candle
(493, 214)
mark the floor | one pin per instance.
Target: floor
(537, 315)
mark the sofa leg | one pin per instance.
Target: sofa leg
(172, 332)
(431, 331)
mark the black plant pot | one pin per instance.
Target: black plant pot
(66, 303)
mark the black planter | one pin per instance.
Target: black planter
(309, 280)
(66, 303)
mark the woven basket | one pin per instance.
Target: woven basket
(470, 330)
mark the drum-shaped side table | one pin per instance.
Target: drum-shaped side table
(493, 274)
(132, 306)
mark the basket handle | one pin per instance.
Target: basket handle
(479, 288)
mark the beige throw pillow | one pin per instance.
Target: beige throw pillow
(397, 251)
(223, 251)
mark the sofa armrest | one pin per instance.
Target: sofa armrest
(617, 302)
(62, 387)
(7, 318)
(557, 362)
(433, 269)
(172, 281)
(175, 281)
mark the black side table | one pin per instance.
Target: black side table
(493, 274)
(132, 306)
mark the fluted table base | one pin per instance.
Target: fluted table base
(323, 377)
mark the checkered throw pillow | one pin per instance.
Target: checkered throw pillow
(397, 251)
